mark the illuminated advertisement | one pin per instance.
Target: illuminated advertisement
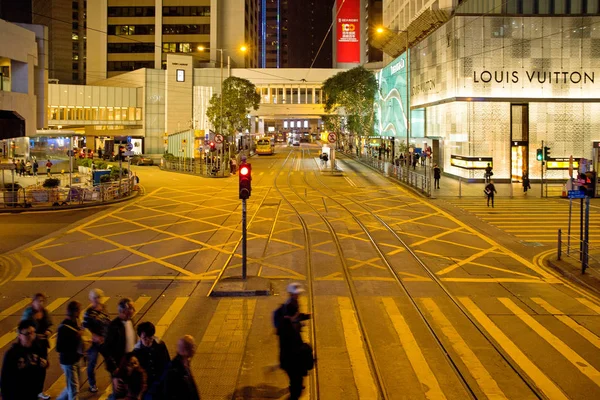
(391, 99)
(348, 31)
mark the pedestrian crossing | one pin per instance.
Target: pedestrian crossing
(564, 330)
(533, 220)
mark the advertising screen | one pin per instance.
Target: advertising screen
(348, 31)
(390, 100)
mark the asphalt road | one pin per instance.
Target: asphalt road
(410, 298)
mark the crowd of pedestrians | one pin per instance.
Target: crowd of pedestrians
(139, 363)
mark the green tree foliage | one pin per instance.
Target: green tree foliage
(239, 97)
(352, 93)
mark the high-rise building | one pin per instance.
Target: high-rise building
(124, 37)
(373, 20)
(274, 33)
(66, 22)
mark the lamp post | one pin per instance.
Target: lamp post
(380, 30)
(243, 49)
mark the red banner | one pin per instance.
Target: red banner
(348, 31)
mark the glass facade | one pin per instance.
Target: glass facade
(290, 94)
(471, 72)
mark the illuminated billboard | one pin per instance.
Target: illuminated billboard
(348, 31)
(391, 99)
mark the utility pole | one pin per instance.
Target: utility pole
(542, 180)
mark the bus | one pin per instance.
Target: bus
(265, 146)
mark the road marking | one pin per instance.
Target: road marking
(570, 322)
(350, 181)
(429, 383)
(168, 318)
(465, 261)
(12, 335)
(539, 378)
(487, 384)
(574, 358)
(14, 308)
(140, 303)
(589, 304)
(363, 377)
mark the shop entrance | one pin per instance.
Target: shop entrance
(519, 137)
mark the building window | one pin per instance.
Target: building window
(131, 11)
(75, 5)
(75, 15)
(130, 48)
(75, 66)
(182, 47)
(199, 11)
(74, 36)
(75, 56)
(75, 46)
(128, 65)
(186, 29)
(75, 26)
(128, 30)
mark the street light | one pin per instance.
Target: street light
(381, 30)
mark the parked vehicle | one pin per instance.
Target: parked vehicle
(139, 159)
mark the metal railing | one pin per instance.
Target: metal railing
(583, 252)
(196, 167)
(38, 196)
(417, 180)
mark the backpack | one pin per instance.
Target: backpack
(278, 316)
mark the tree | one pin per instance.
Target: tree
(352, 93)
(239, 97)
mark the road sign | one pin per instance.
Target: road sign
(332, 137)
(219, 138)
(7, 166)
(576, 194)
(129, 146)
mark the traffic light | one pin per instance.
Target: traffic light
(539, 155)
(546, 152)
(212, 146)
(245, 180)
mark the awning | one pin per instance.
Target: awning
(394, 43)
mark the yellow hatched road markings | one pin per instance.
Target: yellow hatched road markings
(570, 322)
(485, 381)
(429, 383)
(537, 376)
(574, 358)
(14, 308)
(12, 335)
(140, 303)
(363, 377)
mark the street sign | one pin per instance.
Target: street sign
(129, 146)
(128, 153)
(219, 138)
(332, 137)
(576, 194)
(7, 167)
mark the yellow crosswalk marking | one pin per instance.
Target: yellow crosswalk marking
(537, 376)
(429, 383)
(10, 336)
(589, 304)
(487, 384)
(570, 322)
(168, 318)
(14, 308)
(363, 378)
(574, 358)
(140, 303)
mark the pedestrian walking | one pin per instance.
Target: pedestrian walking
(295, 357)
(22, 365)
(437, 174)
(179, 381)
(526, 184)
(129, 380)
(96, 320)
(48, 166)
(120, 338)
(233, 166)
(153, 357)
(488, 173)
(489, 191)
(325, 160)
(40, 317)
(402, 159)
(415, 160)
(22, 168)
(35, 167)
(69, 345)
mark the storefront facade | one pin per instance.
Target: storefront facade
(492, 88)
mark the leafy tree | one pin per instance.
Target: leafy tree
(352, 93)
(239, 97)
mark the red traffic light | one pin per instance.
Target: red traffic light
(244, 171)
(211, 144)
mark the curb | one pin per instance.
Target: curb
(235, 286)
(573, 277)
(67, 207)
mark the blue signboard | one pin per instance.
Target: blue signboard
(576, 194)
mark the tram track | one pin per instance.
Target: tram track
(332, 196)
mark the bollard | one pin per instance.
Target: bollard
(459, 187)
(559, 250)
(584, 258)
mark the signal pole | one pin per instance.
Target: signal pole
(244, 265)
(245, 189)
(542, 181)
